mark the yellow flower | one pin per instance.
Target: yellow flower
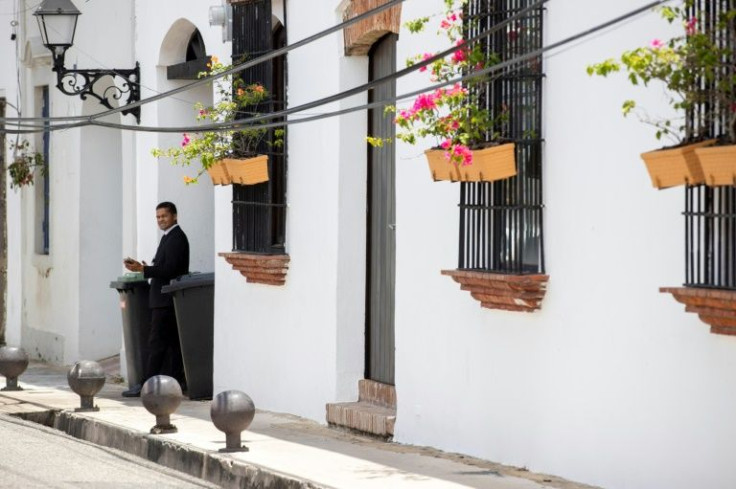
(188, 179)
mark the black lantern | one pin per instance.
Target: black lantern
(57, 21)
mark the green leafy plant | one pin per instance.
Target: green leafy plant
(453, 115)
(234, 98)
(26, 163)
(696, 69)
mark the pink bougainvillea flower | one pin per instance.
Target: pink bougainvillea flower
(424, 102)
(464, 153)
(656, 43)
(445, 25)
(691, 26)
(186, 140)
(425, 57)
(446, 144)
(405, 115)
(459, 56)
(202, 112)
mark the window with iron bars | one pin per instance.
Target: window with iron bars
(710, 212)
(501, 222)
(259, 211)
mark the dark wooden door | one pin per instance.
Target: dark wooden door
(381, 222)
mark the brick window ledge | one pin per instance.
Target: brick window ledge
(259, 269)
(715, 307)
(522, 293)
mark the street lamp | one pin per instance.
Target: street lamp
(57, 21)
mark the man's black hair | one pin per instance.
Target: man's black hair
(167, 205)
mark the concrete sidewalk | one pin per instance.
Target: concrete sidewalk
(285, 451)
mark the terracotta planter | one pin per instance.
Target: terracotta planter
(719, 164)
(489, 164)
(218, 173)
(248, 171)
(440, 168)
(676, 166)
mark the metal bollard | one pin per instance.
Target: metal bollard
(232, 412)
(86, 378)
(161, 395)
(13, 362)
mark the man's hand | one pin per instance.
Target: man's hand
(133, 265)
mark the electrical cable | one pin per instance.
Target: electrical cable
(353, 91)
(235, 69)
(247, 123)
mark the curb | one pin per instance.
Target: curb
(212, 467)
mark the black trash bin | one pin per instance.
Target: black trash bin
(133, 290)
(194, 302)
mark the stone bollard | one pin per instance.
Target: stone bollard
(86, 378)
(13, 362)
(161, 395)
(232, 412)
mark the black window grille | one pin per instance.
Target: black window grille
(501, 222)
(259, 211)
(710, 212)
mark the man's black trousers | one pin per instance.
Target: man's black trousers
(163, 344)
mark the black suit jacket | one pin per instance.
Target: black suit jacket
(171, 261)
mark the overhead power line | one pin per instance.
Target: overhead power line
(257, 121)
(235, 69)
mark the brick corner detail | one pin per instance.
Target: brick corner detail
(715, 307)
(523, 293)
(259, 269)
(359, 37)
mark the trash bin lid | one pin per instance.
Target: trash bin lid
(129, 281)
(194, 279)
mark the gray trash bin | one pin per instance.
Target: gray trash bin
(133, 290)
(194, 302)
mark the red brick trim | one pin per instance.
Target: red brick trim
(259, 269)
(507, 292)
(359, 37)
(377, 393)
(715, 307)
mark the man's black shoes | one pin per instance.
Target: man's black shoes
(134, 391)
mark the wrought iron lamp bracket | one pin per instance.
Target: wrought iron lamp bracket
(125, 90)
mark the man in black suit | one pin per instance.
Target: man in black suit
(171, 261)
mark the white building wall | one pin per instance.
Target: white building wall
(296, 347)
(163, 30)
(8, 89)
(611, 383)
(104, 182)
(68, 312)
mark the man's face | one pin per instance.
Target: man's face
(165, 218)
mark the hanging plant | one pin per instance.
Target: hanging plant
(695, 68)
(211, 148)
(454, 116)
(25, 164)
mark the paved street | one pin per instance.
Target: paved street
(33, 456)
